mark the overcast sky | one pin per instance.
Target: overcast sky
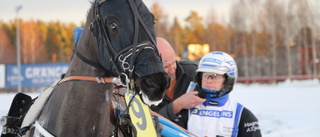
(75, 10)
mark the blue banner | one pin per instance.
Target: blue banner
(2, 76)
(35, 75)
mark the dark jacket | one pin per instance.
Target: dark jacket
(248, 126)
(185, 73)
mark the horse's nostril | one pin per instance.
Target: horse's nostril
(149, 85)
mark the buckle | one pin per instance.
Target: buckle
(9, 130)
(100, 80)
(9, 120)
(3, 120)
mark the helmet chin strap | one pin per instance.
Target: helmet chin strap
(213, 97)
(204, 93)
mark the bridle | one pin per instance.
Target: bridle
(125, 70)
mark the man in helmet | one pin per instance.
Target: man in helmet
(176, 103)
(219, 115)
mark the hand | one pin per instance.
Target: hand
(187, 101)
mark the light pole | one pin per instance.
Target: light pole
(18, 8)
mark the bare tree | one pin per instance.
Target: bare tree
(272, 10)
(177, 37)
(238, 22)
(296, 25)
(161, 27)
(312, 14)
(210, 23)
(302, 10)
(254, 7)
(32, 46)
(7, 51)
(317, 19)
(215, 34)
(287, 39)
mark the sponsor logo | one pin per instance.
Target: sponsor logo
(2, 76)
(35, 75)
(252, 127)
(217, 53)
(195, 111)
(212, 60)
(231, 63)
(210, 66)
(214, 113)
(44, 72)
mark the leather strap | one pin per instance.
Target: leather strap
(102, 80)
(85, 60)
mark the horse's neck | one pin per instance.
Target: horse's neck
(80, 68)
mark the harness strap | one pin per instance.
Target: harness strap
(102, 80)
(42, 131)
(84, 59)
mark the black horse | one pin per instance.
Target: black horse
(118, 41)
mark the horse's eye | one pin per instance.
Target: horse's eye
(113, 26)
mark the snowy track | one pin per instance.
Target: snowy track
(288, 109)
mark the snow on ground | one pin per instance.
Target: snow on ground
(287, 109)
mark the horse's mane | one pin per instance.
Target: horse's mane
(89, 20)
(90, 11)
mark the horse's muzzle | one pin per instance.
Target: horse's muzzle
(154, 86)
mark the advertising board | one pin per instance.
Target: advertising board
(2, 76)
(35, 75)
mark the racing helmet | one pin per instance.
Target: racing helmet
(220, 63)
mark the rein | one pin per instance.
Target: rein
(102, 80)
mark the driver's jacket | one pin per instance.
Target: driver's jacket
(222, 117)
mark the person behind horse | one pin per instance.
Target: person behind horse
(220, 115)
(176, 102)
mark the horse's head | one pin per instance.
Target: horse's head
(126, 45)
